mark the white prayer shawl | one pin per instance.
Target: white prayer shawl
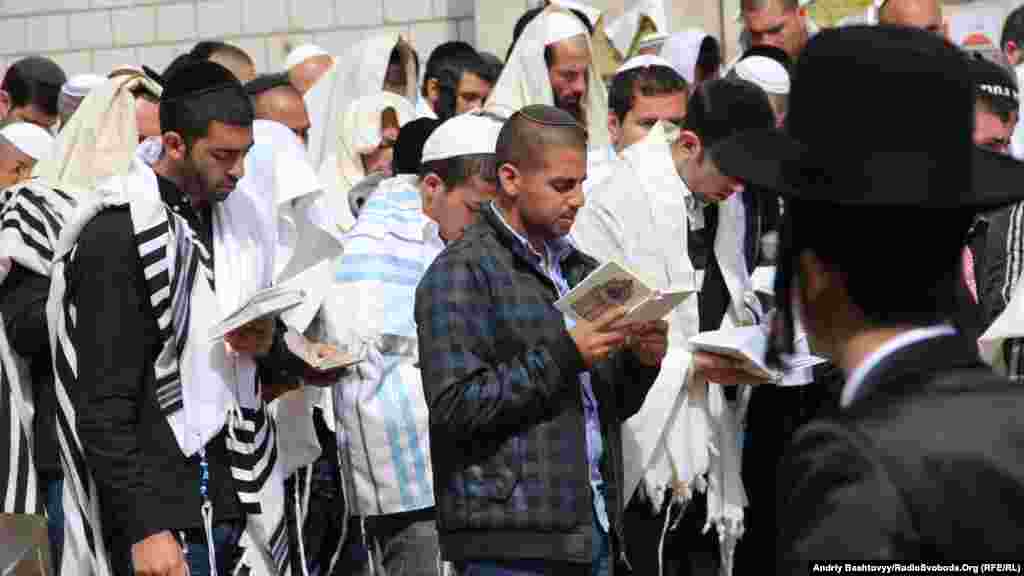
(359, 72)
(358, 133)
(1017, 140)
(682, 49)
(524, 80)
(100, 139)
(622, 30)
(32, 216)
(1009, 325)
(206, 386)
(684, 436)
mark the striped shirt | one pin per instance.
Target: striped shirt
(383, 426)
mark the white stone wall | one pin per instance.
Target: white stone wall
(97, 35)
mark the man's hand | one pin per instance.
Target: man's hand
(723, 370)
(159, 555)
(649, 342)
(597, 340)
(255, 338)
(322, 378)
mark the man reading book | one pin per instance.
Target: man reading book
(659, 195)
(525, 406)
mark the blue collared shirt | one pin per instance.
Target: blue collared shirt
(557, 250)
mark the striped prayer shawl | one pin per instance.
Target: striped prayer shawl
(171, 256)
(31, 218)
(1014, 347)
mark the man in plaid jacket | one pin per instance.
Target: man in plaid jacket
(525, 405)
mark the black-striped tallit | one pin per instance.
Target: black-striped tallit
(31, 218)
(173, 260)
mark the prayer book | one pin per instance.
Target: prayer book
(335, 359)
(749, 345)
(615, 285)
(267, 303)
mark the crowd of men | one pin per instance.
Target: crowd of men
(426, 217)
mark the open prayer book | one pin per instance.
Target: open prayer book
(267, 303)
(749, 345)
(335, 359)
(612, 285)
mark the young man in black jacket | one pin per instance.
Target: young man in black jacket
(525, 405)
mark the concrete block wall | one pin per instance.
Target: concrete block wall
(97, 35)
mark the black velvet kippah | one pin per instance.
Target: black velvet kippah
(196, 79)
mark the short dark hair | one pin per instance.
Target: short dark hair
(709, 56)
(34, 80)
(721, 108)
(528, 131)
(645, 81)
(446, 54)
(207, 48)
(927, 266)
(448, 79)
(266, 82)
(1013, 28)
(200, 93)
(492, 66)
(458, 170)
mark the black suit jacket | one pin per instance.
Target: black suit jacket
(925, 464)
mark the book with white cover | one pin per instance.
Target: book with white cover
(749, 345)
(267, 303)
(612, 284)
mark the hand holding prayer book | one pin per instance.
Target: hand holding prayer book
(267, 303)
(319, 357)
(748, 345)
(612, 285)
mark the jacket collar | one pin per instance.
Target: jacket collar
(909, 370)
(575, 264)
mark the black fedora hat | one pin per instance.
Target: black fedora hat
(879, 116)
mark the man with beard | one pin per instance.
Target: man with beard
(167, 490)
(551, 64)
(30, 90)
(456, 80)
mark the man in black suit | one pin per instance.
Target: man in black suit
(923, 461)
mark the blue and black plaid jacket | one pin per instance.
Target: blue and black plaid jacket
(501, 377)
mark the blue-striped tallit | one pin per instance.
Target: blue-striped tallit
(31, 218)
(177, 265)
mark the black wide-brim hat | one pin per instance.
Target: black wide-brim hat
(882, 117)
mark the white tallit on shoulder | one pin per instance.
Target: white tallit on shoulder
(203, 387)
(684, 436)
(525, 81)
(359, 72)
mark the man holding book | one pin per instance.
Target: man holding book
(525, 404)
(683, 193)
(169, 453)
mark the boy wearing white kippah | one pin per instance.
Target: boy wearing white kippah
(382, 420)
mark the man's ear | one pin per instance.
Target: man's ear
(433, 187)
(690, 143)
(174, 146)
(5, 104)
(817, 278)
(432, 91)
(614, 129)
(509, 176)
